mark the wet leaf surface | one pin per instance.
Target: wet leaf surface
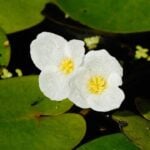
(135, 128)
(29, 120)
(108, 16)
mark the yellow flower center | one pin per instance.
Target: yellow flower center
(96, 84)
(67, 66)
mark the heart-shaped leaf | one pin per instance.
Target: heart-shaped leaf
(120, 16)
(62, 132)
(17, 15)
(110, 142)
(143, 105)
(30, 121)
(22, 96)
(135, 127)
(4, 49)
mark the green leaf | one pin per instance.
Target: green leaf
(21, 97)
(135, 128)
(143, 105)
(4, 49)
(110, 142)
(121, 16)
(30, 121)
(17, 15)
(62, 132)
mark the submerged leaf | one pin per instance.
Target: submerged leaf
(143, 105)
(135, 128)
(110, 142)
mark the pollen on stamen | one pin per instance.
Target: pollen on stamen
(66, 66)
(96, 84)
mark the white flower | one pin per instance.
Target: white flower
(58, 60)
(96, 84)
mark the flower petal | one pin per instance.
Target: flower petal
(101, 62)
(77, 84)
(53, 85)
(76, 50)
(43, 48)
(109, 100)
(114, 80)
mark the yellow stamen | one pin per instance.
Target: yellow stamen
(67, 66)
(96, 84)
